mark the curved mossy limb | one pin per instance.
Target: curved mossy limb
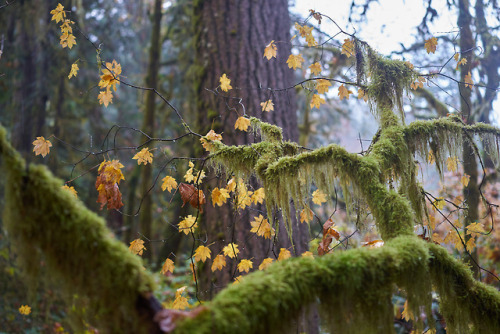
(47, 223)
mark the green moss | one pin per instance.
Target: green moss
(49, 224)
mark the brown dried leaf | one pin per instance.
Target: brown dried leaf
(188, 195)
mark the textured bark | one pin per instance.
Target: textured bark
(231, 37)
(146, 213)
(471, 192)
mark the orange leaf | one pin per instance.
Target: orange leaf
(189, 195)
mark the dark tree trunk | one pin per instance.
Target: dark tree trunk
(231, 37)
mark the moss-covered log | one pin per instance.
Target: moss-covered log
(49, 225)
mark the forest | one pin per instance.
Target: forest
(221, 166)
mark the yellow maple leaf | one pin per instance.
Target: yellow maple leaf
(267, 105)
(231, 185)
(111, 171)
(318, 197)
(42, 146)
(407, 314)
(270, 51)
(306, 215)
(439, 203)
(180, 301)
(265, 263)
(245, 266)
(430, 45)
(210, 137)
(308, 254)
(242, 123)
(66, 27)
(475, 229)
(261, 227)
(437, 238)
(315, 68)
(74, 71)
(72, 190)
(137, 246)
(465, 180)
(362, 95)
(58, 13)
(225, 83)
(168, 183)
(231, 250)
(168, 267)
(316, 101)
(322, 86)
(219, 196)
(218, 263)
(202, 253)
(344, 92)
(311, 41)
(284, 254)
(67, 40)
(188, 224)
(244, 197)
(468, 80)
(452, 164)
(25, 310)
(295, 61)
(144, 156)
(470, 244)
(348, 48)
(304, 31)
(105, 97)
(258, 196)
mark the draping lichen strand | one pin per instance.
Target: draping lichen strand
(46, 222)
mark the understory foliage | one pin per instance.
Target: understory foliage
(353, 287)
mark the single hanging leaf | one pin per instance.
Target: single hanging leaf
(261, 227)
(180, 301)
(430, 45)
(190, 194)
(168, 183)
(58, 13)
(219, 196)
(225, 83)
(465, 180)
(202, 253)
(318, 197)
(470, 244)
(74, 71)
(344, 92)
(108, 178)
(315, 68)
(295, 61)
(144, 156)
(188, 225)
(306, 215)
(168, 267)
(258, 196)
(218, 263)
(245, 266)
(348, 48)
(137, 246)
(284, 254)
(231, 250)
(270, 50)
(439, 203)
(267, 105)
(322, 86)
(265, 263)
(42, 146)
(468, 81)
(316, 101)
(105, 97)
(242, 123)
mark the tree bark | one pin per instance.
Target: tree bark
(231, 37)
(146, 213)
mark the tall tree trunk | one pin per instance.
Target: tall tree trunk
(471, 192)
(231, 37)
(146, 213)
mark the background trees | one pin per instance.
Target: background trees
(286, 170)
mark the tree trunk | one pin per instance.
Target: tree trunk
(471, 192)
(231, 37)
(146, 213)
